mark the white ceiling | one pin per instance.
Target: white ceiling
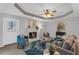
(9, 8)
(36, 9)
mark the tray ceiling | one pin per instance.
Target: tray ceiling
(35, 9)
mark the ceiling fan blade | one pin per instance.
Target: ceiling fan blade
(54, 11)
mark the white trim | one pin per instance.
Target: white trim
(2, 46)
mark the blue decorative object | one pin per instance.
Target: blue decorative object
(58, 41)
(20, 41)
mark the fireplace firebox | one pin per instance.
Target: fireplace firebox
(32, 34)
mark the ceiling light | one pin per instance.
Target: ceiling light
(48, 13)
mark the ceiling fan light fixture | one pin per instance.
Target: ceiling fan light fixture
(48, 13)
(46, 16)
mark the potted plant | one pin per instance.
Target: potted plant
(51, 50)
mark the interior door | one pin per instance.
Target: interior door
(10, 30)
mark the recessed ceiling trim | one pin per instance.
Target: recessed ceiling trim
(33, 15)
(26, 13)
(66, 14)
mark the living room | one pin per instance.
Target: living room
(45, 24)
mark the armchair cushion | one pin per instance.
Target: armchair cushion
(66, 46)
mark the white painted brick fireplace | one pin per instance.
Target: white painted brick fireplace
(39, 34)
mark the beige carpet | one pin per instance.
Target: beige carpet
(11, 50)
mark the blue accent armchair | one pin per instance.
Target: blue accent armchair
(20, 41)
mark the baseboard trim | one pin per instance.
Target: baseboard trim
(9, 44)
(1, 46)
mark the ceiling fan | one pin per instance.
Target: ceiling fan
(48, 13)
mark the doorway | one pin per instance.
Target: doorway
(10, 30)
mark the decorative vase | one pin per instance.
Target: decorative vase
(51, 50)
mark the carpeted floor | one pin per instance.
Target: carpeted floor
(11, 50)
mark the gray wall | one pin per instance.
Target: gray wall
(71, 25)
(23, 25)
(1, 32)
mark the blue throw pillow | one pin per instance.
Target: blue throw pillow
(67, 46)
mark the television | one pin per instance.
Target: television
(60, 33)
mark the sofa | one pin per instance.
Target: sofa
(71, 44)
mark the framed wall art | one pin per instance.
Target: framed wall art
(12, 26)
